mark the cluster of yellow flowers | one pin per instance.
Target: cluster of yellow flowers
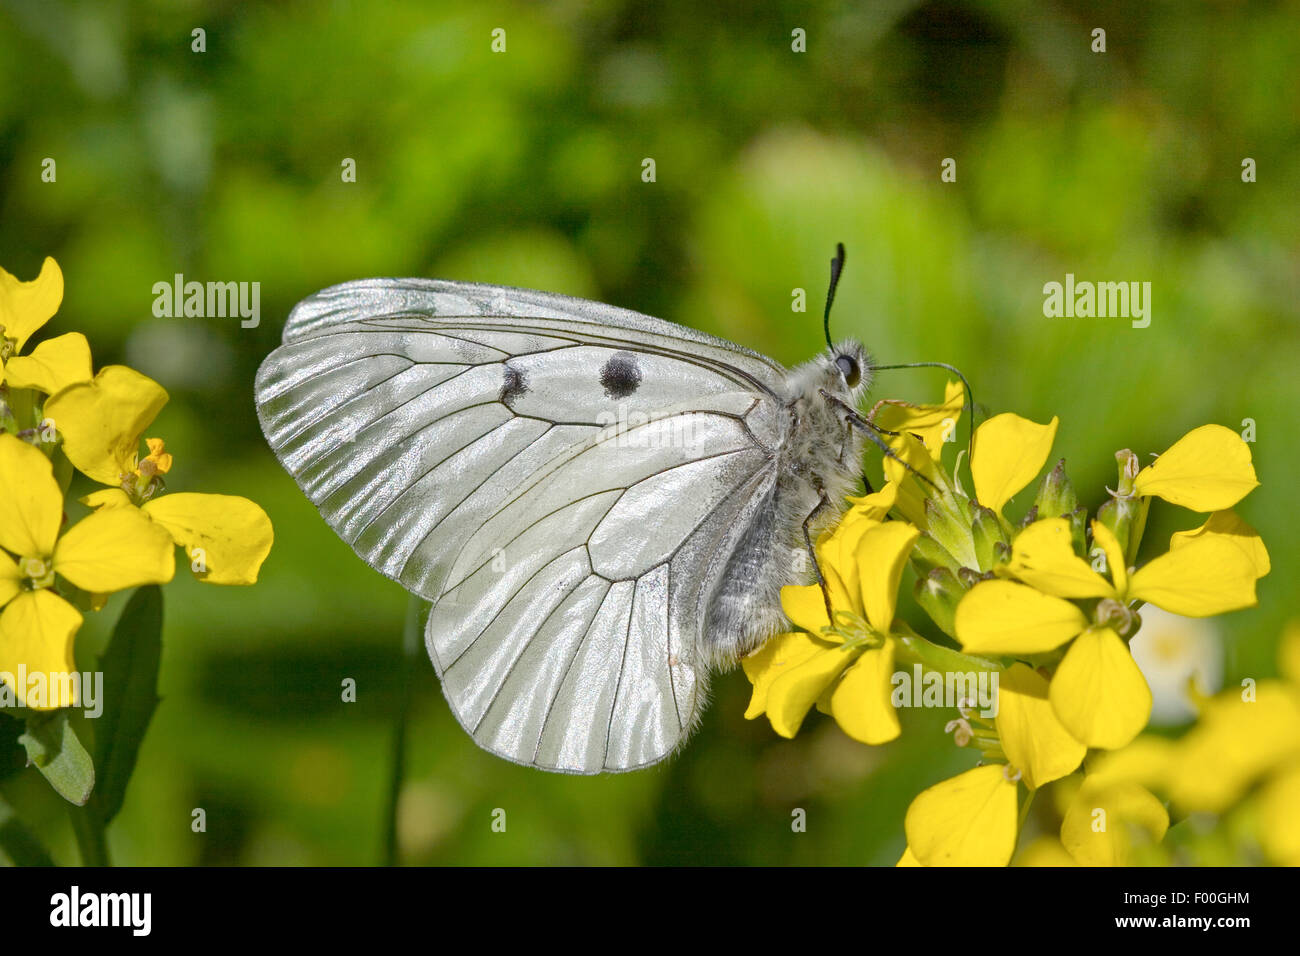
(57, 415)
(1047, 604)
(1233, 779)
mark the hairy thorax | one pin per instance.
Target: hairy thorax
(817, 465)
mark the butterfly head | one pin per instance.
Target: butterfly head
(849, 370)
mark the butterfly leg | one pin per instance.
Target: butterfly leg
(873, 431)
(822, 503)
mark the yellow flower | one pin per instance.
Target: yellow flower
(934, 425)
(1240, 738)
(1008, 452)
(101, 553)
(921, 432)
(24, 308)
(1240, 762)
(1098, 691)
(794, 671)
(102, 422)
(971, 820)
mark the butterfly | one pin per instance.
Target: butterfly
(601, 507)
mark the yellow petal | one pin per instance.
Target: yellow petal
(1104, 538)
(930, 423)
(1034, 741)
(26, 306)
(1099, 693)
(793, 693)
(1206, 576)
(53, 365)
(969, 820)
(835, 551)
(1004, 617)
(1208, 469)
(31, 506)
(835, 575)
(877, 504)
(102, 421)
(778, 655)
(37, 631)
(1042, 556)
(10, 579)
(227, 535)
(1226, 525)
(1103, 821)
(113, 549)
(881, 555)
(1009, 452)
(909, 495)
(805, 606)
(107, 498)
(1279, 824)
(860, 702)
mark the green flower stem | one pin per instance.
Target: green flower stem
(91, 840)
(410, 652)
(1024, 811)
(914, 649)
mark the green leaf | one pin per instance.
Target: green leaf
(52, 745)
(130, 669)
(18, 845)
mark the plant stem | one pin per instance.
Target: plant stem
(410, 651)
(91, 840)
(914, 649)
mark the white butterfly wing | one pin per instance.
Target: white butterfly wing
(563, 480)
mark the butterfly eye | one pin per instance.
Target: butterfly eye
(848, 367)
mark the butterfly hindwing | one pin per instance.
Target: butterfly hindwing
(562, 480)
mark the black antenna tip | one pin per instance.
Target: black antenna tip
(837, 266)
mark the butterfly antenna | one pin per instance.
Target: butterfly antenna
(970, 396)
(837, 266)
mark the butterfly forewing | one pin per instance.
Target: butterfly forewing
(563, 480)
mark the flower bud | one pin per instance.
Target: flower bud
(928, 554)
(1056, 495)
(987, 532)
(938, 593)
(1079, 530)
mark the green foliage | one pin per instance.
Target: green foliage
(55, 750)
(130, 697)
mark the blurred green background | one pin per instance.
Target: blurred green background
(524, 168)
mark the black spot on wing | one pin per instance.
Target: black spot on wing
(513, 385)
(620, 375)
